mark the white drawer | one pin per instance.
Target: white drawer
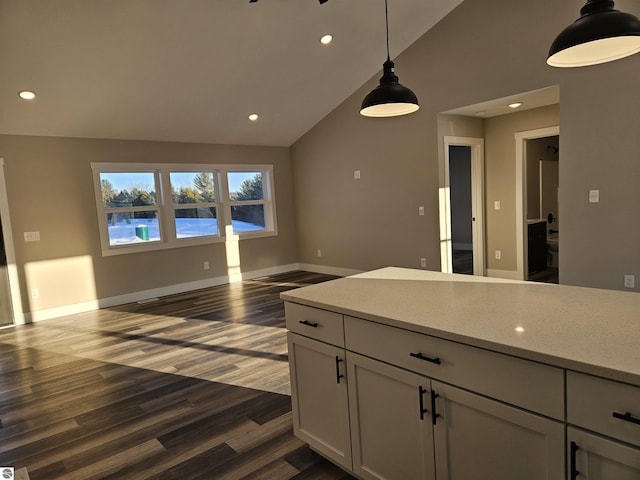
(602, 406)
(315, 323)
(527, 384)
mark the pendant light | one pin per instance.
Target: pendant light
(390, 98)
(600, 35)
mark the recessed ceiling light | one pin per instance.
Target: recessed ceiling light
(515, 104)
(253, 117)
(326, 39)
(26, 94)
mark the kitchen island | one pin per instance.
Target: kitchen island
(523, 369)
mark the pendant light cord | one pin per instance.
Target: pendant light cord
(386, 17)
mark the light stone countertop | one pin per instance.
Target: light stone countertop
(583, 329)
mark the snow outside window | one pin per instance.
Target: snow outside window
(156, 206)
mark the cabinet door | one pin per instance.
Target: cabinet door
(478, 439)
(592, 457)
(391, 427)
(319, 397)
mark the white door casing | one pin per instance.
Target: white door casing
(477, 204)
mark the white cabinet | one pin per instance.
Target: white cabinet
(477, 439)
(389, 403)
(391, 424)
(594, 457)
(530, 385)
(604, 433)
(319, 400)
(319, 397)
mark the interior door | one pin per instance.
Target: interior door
(6, 309)
(462, 206)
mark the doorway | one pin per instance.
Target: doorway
(537, 167)
(462, 206)
(6, 307)
(10, 302)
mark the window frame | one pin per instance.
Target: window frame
(166, 208)
(169, 211)
(267, 200)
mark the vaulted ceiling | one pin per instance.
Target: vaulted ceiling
(193, 70)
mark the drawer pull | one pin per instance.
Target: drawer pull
(573, 472)
(627, 417)
(434, 415)
(338, 374)
(420, 356)
(421, 392)
(308, 323)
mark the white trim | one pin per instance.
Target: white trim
(142, 295)
(521, 193)
(12, 269)
(337, 271)
(507, 274)
(477, 204)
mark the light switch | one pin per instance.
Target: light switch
(594, 196)
(497, 205)
(421, 210)
(356, 174)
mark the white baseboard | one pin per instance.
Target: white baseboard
(143, 295)
(508, 274)
(337, 271)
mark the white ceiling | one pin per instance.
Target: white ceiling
(500, 106)
(193, 70)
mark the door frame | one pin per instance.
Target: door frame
(12, 269)
(477, 204)
(522, 242)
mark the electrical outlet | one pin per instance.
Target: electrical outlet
(498, 254)
(319, 252)
(423, 262)
(31, 236)
(497, 205)
(356, 174)
(206, 265)
(629, 281)
(421, 210)
(35, 293)
(594, 196)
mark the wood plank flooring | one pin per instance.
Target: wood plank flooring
(189, 386)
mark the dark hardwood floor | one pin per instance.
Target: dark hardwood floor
(190, 386)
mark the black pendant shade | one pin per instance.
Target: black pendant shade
(390, 98)
(601, 34)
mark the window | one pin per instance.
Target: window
(246, 198)
(154, 206)
(130, 206)
(194, 204)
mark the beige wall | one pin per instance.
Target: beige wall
(484, 49)
(500, 180)
(50, 190)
